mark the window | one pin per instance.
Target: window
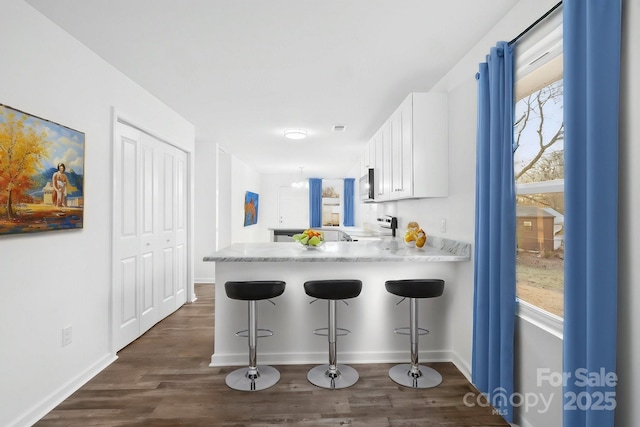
(539, 172)
(331, 202)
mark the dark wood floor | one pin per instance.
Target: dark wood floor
(164, 379)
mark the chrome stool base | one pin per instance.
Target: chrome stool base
(265, 377)
(426, 377)
(321, 377)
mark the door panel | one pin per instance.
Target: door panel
(148, 303)
(168, 191)
(168, 288)
(181, 227)
(148, 283)
(148, 193)
(166, 180)
(181, 191)
(129, 312)
(128, 181)
(181, 274)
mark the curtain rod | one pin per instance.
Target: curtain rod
(535, 23)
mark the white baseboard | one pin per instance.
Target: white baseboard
(205, 280)
(462, 365)
(240, 359)
(42, 408)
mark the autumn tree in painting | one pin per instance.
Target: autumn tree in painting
(22, 149)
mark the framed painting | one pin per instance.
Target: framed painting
(250, 208)
(41, 174)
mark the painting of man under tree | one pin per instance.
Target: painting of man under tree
(41, 174)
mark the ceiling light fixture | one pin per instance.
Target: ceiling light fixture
(295, 133)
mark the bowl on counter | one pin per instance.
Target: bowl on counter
(310, 247)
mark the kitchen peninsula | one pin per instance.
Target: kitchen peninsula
(371, 317)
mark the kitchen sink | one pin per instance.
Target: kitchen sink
(385, 245)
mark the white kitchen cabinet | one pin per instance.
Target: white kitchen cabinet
(371, 146)
(419, 147)
(382, 172)
(364, 160)
(368, 158)
(401, 151)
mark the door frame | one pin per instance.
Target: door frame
(118, 116)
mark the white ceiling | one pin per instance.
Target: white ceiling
(241, 71)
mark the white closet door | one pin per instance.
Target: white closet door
(167, 182)
(150, 242)
(181, 227)
(127, 260)
(149, 233)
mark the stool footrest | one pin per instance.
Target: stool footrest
(406, 331)
(262, 333)
(341, 332)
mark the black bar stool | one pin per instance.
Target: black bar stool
(253, 378)
(332, 375)
(415, 375)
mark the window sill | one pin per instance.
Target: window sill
(543, 319)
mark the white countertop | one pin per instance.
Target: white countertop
(387, 250)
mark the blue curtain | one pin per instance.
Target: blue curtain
(349, 215)
(495, 233)
(591, 76)
(315, 202)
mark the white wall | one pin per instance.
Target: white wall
(51, 280)
(460, 221)
(221, 182)
(538, 359)
(205, 211)
(628, 411)
(244, 179)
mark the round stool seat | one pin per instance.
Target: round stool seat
(333, 289)
(416, 288)
(254, 290)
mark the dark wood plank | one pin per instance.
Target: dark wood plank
(164, 379)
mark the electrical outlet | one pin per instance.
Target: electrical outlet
(67, 335)
(443, 225)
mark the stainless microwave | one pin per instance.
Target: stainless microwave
(366, 185)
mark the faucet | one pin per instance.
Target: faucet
(394, 226)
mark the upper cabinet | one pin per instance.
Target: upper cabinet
(409, 153)
(382, 170)
(418, 148)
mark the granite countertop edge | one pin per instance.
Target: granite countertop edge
(437, 249)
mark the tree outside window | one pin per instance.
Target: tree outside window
(539, 174)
